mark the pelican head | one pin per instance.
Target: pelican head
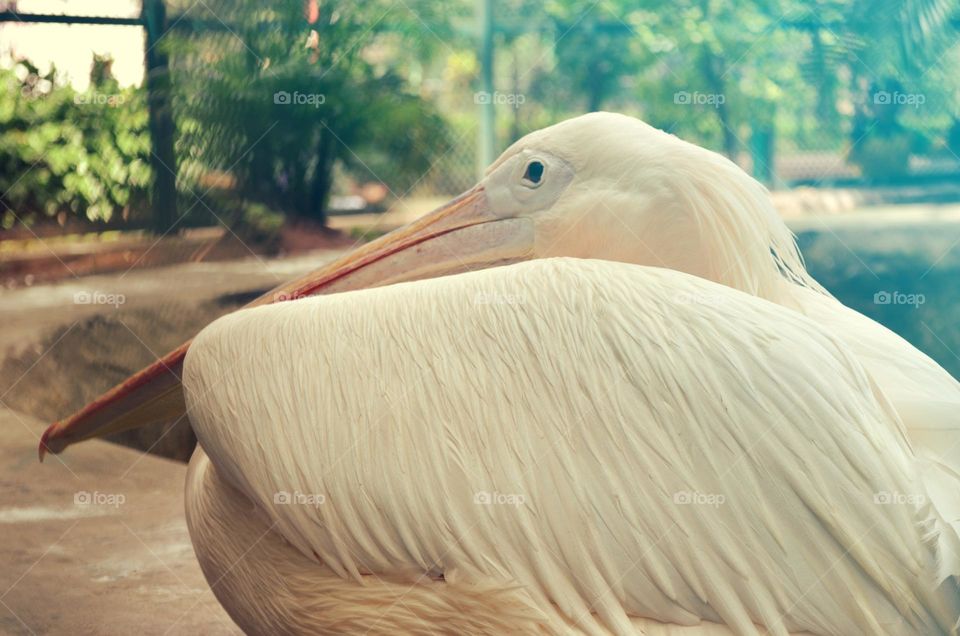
(602, 186)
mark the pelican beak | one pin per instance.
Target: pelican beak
(461, 235)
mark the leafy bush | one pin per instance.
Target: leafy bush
(64, 152)
(277, 102)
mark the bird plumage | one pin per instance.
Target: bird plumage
(926, 398)
(652, 445)
(692, 437)
(673, 204)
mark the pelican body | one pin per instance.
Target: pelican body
(592, 449)
(640, 414)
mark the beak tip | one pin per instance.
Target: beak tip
(45, 446)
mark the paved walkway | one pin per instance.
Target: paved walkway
(29, 312)
(121, 564)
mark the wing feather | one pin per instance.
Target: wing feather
(597, 438)
(925, 396)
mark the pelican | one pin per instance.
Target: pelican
(689, 436)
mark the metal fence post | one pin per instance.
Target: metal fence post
(485, 98)
(163, 193)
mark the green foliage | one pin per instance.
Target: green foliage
(268, 104)
(68, 152)
(277, 102)
(800, 72)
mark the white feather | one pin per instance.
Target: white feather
(595, 394)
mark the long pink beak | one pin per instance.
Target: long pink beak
(461, 235)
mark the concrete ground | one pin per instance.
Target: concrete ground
(94, 542)
(30, 312)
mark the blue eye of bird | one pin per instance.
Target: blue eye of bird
(534, 172)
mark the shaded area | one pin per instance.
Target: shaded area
(87, 359)
(903, 275)
(58, 353)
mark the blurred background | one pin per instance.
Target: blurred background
(164, 161)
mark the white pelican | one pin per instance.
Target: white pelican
(811, 409)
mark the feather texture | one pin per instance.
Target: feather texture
(616, 442)
(926, 398)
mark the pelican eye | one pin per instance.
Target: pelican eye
(533, 174)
